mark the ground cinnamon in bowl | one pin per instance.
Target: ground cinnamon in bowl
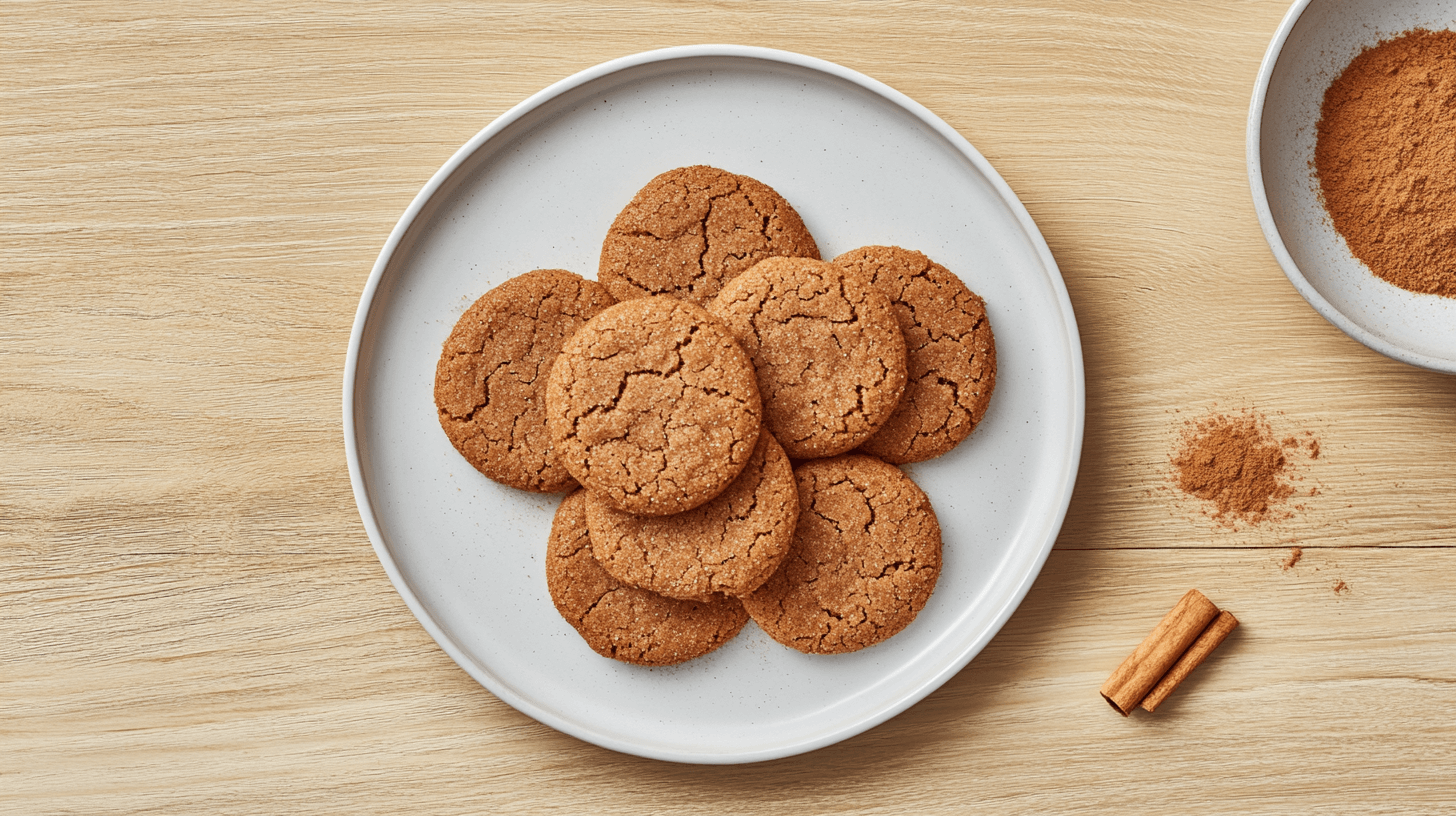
(1385, 158)
(1235, 462)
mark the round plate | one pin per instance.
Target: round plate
(1317, 39)
(863, 164)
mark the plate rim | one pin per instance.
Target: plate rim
(686, 52)
(1254, 167)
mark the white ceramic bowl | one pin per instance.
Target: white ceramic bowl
(1314, 43)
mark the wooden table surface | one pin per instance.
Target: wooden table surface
(193, 620)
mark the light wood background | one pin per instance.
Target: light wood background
(192, 618)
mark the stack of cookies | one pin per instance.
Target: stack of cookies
(729, 411)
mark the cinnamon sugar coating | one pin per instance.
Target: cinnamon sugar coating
(827, 349)
(692, 229)
(621, 622)
(950, 353)
(490, 381)
(729, 545)
(865, 558)
(653, 406)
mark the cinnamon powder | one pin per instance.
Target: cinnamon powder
(1294, 556)
(1235, 462)
(1385, 157)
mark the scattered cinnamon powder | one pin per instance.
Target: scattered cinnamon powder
(1341, 587)
(1235, 462)
(1294, 556)
(1385, 157)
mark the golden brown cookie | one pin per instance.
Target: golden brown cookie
(621, 622)
(829, 354)
(865, 558)
(950, 353)
(653, 406)
(730, 545)
(692, 229)
(490, 382)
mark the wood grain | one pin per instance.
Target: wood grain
(308, 687)
(191, 200)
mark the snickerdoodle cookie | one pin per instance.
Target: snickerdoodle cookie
(827, 349)
(950, 353)
(624, 623)
(653, 406)
(490, 382)
(692, 229)
(730, 545)
(865, 558)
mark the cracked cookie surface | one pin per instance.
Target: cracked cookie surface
(950, 353)
(828, 352)
(490, 381)
(622, 622)
(653, 406)
(729, 545)
(692, 229)
(865, 558)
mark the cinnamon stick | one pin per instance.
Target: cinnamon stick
(1152, 659)
(1201, 648)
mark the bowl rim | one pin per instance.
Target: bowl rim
(1255, 168)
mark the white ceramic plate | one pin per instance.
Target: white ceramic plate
(863, 164)
(1314, 43)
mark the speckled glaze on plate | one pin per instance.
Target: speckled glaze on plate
(538, 188)
(1314, 43)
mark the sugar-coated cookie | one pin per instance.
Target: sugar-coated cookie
(621, 622)
(865, 558)
(729, 545)
(826, 347)
(692, 229)
(950, 353)
(490, 382)
(653, 406)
